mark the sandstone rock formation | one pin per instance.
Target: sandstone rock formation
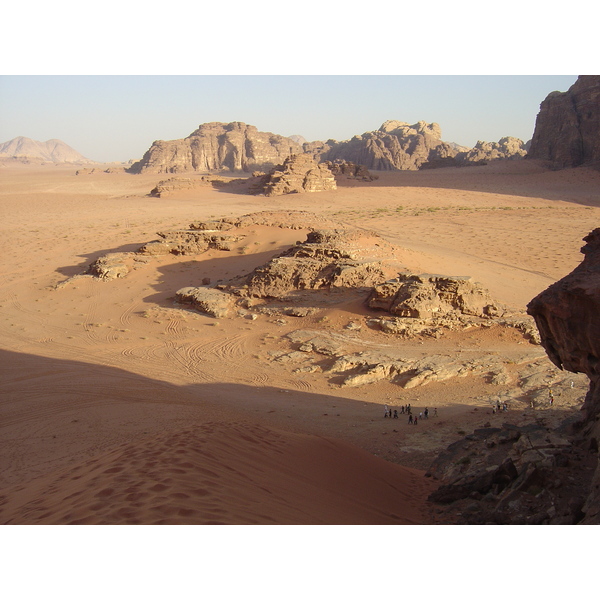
(212, 302)
(327, 259)
(175, 184)
(429, 296)
(54, 151)
(395, 146)
(343, 168)
(215, 147)
(190, 241)
(567, 128)
(114, 265)
(298, 173)
(506, 148)
(567, 315)
(540, 474)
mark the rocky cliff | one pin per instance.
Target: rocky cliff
(215, 147)
(567, 315)
(567, 128)
(395, 146)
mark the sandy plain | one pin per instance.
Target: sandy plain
(119, 407)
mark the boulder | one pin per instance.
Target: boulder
(212, 302)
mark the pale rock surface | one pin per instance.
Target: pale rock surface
(427, 296)
(215, 147)
(298, 173)
(206, 300)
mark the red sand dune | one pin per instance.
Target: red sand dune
(225, 473)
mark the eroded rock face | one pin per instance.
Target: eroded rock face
(395, 146)
(567, 128)
(298, 173)
(214, 303)
(551, 478)
(507, 148)
(567, 315)
(190, 241)
(327, 259)
(431, 296)
(215, 147)
(344, 168)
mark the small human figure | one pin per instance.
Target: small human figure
(420, 415)
(415, 420)
(385, 409)
(410, 419)
(395, 414)
(426, 413)
(435, 412)
(505, 407)
(551, 400)
(493, 410)
(402, 409)
(571, 384)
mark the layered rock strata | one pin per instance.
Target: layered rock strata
(298, 173)
(216, 147)
(567, 128)
(395, 146)
(327, 259)
(429, 296)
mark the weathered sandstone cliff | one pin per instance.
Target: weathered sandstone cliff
(567, 129)
(215, 147)
(395, 146)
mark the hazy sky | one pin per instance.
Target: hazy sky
(116, 118)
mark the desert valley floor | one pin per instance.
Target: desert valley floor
(119, 406)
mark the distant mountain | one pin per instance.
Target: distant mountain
(52, 151)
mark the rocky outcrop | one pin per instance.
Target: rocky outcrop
(327, 259)
(216, 147)
(540, 474)
(506, 148)
(349, 170)
(114, 265)
(567, 128)
(514, 475)
(395, 146)
(54, 151)
(190, 241)
(175, 184)
(567, 315)
(429, 296)
(298, 173)
(212, 302)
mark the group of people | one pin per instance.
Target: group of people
(497, 407)
(407, 410)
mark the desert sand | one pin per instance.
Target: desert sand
(119, 407)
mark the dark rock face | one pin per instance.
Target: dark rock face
(567, 129)
(556, 474)
(215, 147)
(567, 315)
